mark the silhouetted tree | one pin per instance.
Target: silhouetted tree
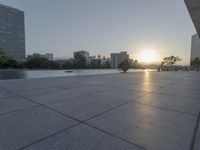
(172, 60)
(42, 63)
(125, 65)
(68, 65)
(195, 62)
(107, 63)
(7, 62)
(135, 65)
(80, 61)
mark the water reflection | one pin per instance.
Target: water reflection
(12, 74)
(146, 86)
(28, 74)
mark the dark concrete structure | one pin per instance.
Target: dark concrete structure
(194, 10)
(12, 32)
(195, 47)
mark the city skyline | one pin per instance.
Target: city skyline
(106, 27)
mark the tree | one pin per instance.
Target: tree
(42, 63)
(99, 56)
(135, 65)
(172, 60)
(125, 65)
(195, 62)
(107, 64)
(68, 65)
(6, 61)
(99, 61)
(80, 61)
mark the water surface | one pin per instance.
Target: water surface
(28, 74)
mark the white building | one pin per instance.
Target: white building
(117, 58)
(114, 60)
(195, 47)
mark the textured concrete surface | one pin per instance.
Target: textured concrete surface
(194, 10)
(136, 111)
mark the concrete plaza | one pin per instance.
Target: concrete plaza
(125, 111)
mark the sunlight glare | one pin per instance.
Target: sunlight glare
(148, 56)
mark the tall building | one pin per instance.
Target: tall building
(195, 47)
(81, 54)
(117, 58)
(114, 60)
(12, 32)
(194, 10)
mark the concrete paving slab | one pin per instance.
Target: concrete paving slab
(90, 89)
(24, 127)
(197, 139)
(13, 104)
(188, 93)
(27, 88)
(189, 84)
(152, 128)
(170, 90)
(5, 94)
(176, 103)
(143, 87)
(123, 94)
(56, 96)
(83, 108)
(167, 125)
(180, 92)
(61, 84)
(82, 137)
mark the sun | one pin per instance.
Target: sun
(148, 56)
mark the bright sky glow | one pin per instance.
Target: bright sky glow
(107, 26)
(148, 55)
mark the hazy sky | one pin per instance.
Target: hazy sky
(105, 26)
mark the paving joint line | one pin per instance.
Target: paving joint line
(49, 136)
(72, 98)
(18, 110)
(120, 138)
(168, 94)
(113, 108)
(153, 92)
(167, 109)
(86, 120)
(42, 105)
(196, 128)
(79, 122)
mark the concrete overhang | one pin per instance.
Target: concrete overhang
(194, 10)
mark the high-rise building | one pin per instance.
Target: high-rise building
(81, 54)
(117, 58)
(194, 10)
(114, 60)
(195, 47)
(12, 32)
